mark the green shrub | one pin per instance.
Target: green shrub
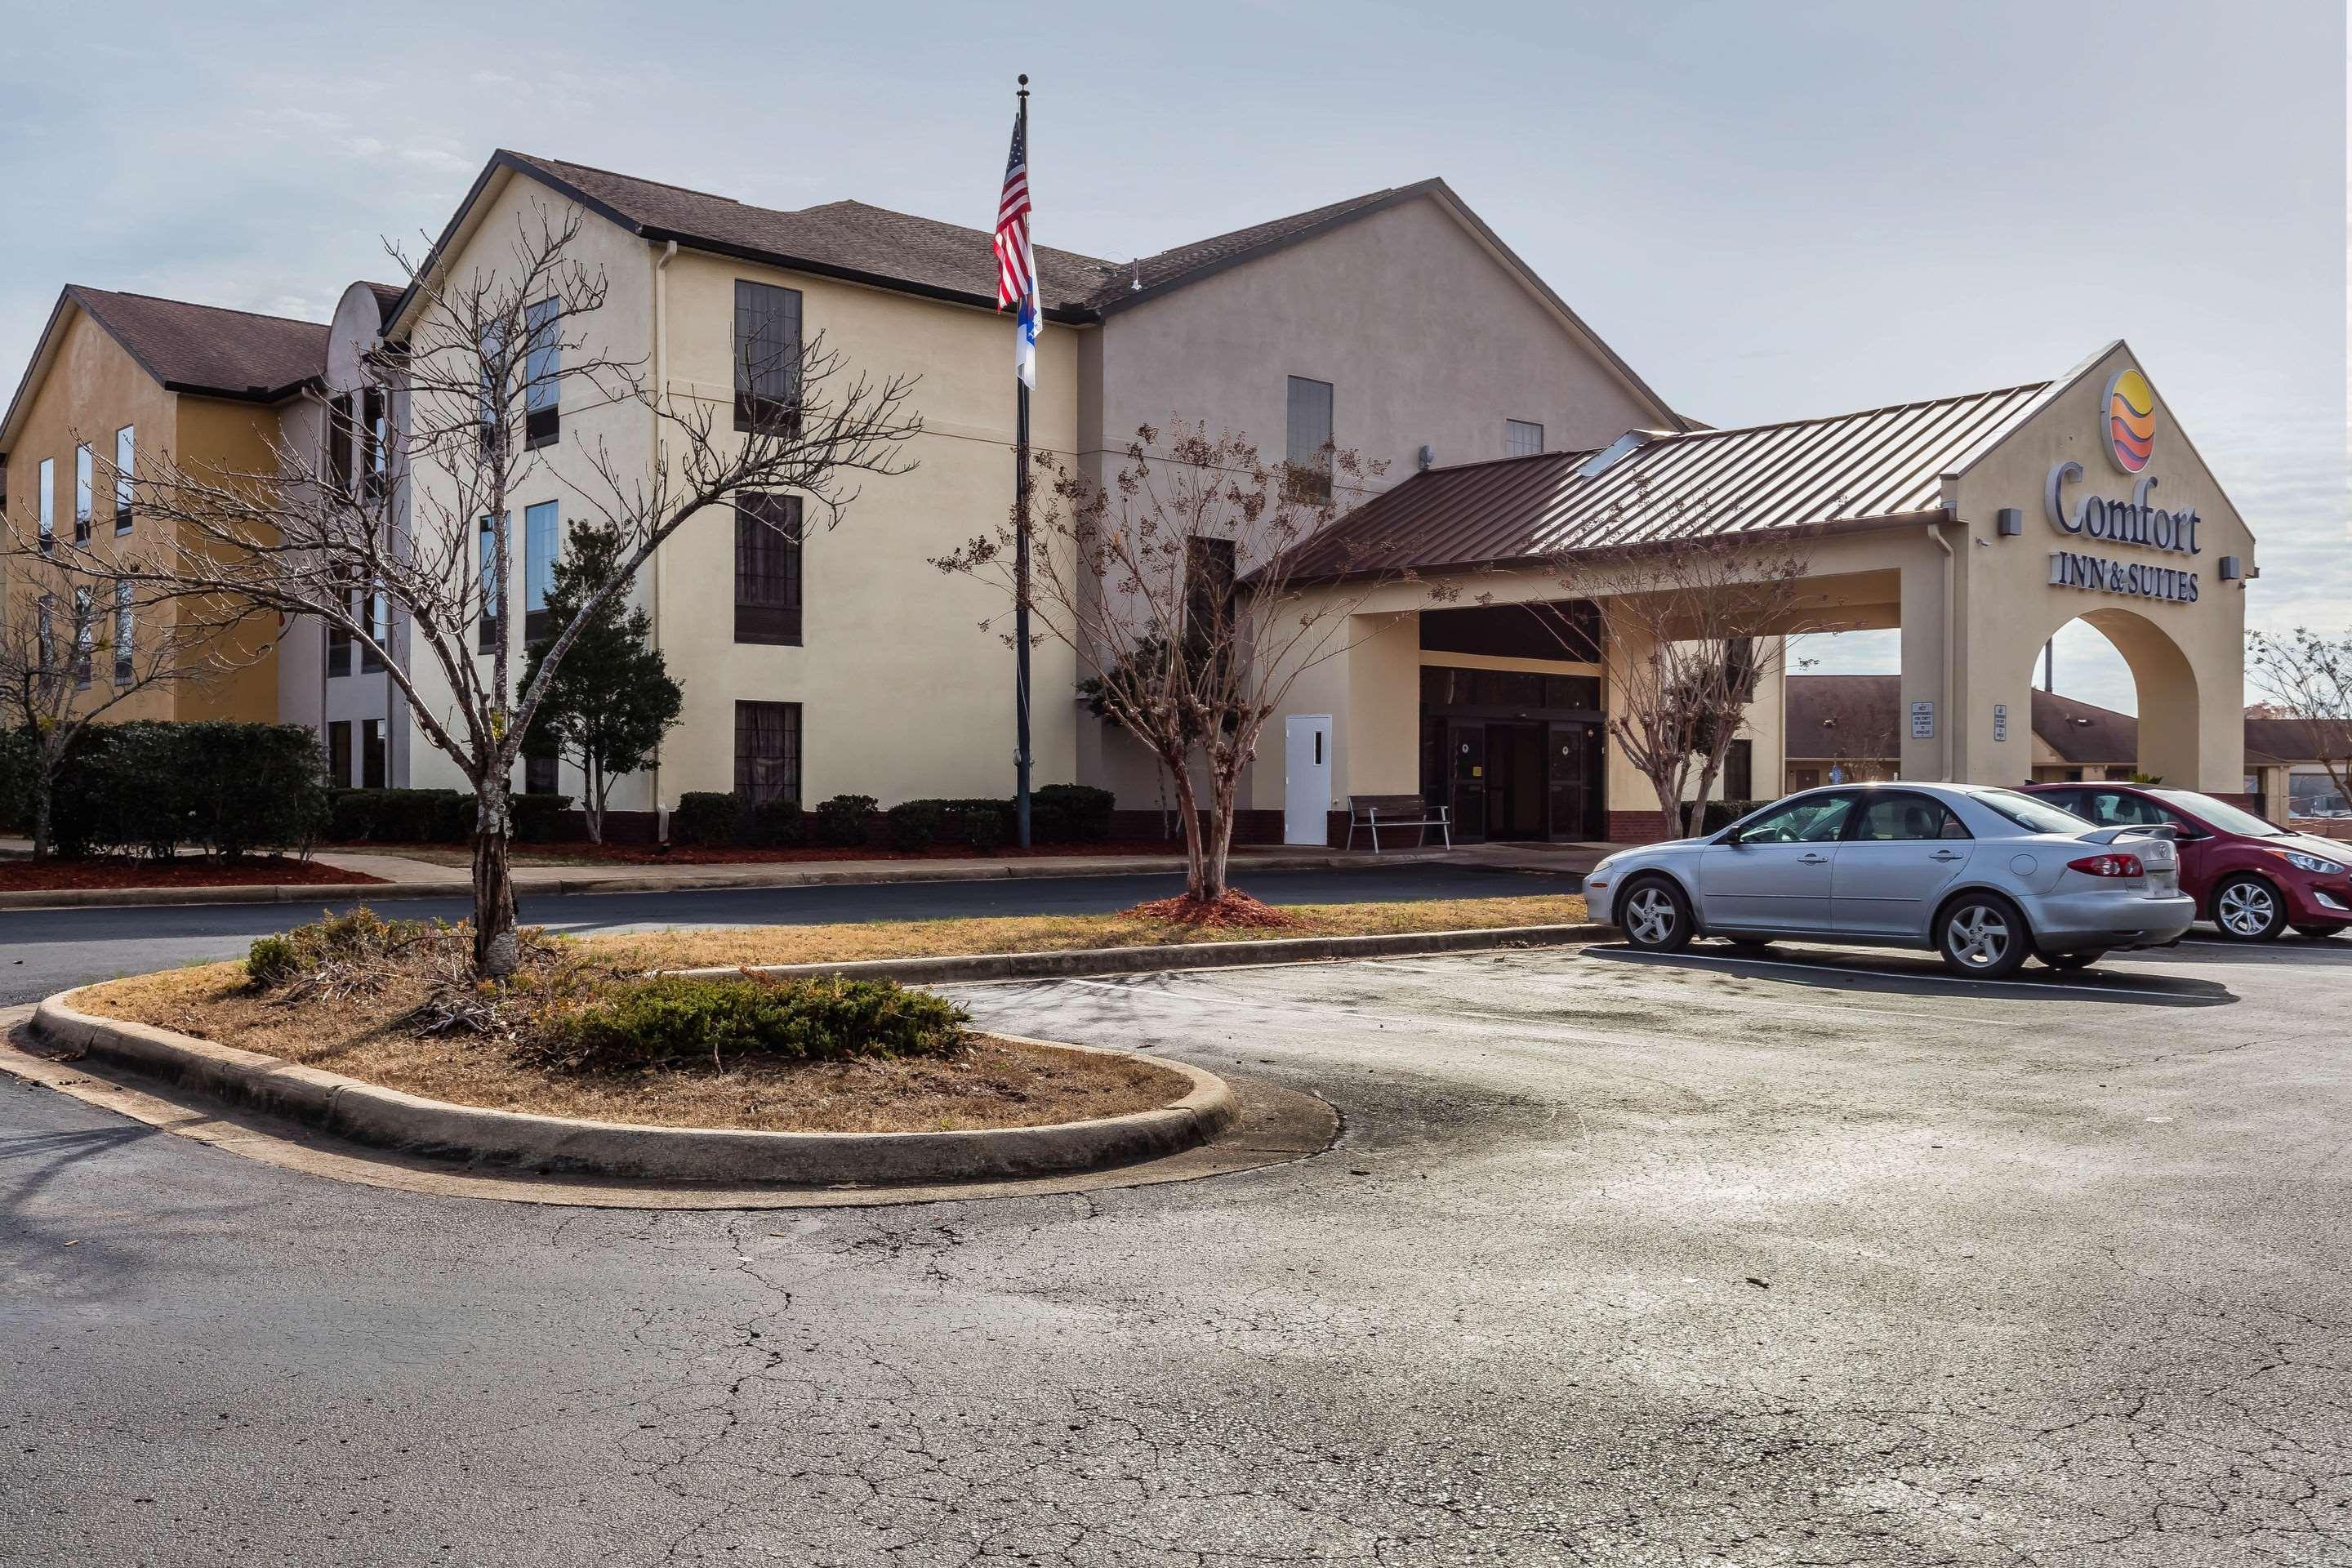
(275, 961)
(707, 816)
(914, 826)
(777, 825)
(541, 819)
(227, 788)
(1069, 814)
(841, 822)
(675, 1021)
(400, 816)
(18, 766)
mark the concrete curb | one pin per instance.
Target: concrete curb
(1087, 961)
(785, 875)
(368, 1113)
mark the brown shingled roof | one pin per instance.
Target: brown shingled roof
(1857, 717)
(2298, 739)
(207, 348)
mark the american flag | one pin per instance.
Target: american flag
(1016, 269)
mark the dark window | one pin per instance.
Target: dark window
(83, 479)
(489, 586)
(490, 418)
(768, 751)
(339, 442)
(1905, 818)
(2118, 808)
(1740, 771)
(1582, 692)
(372, 754)
(1566, 630)
(376, 610)
(1309, 450)
(125, 451)
(767, 568)
(338, 647)
(339, 754)
(1208, 595)
(375, 444)
(538, 547)
(542, 367)
(1442, 687)
(539, 775)
(767, 357)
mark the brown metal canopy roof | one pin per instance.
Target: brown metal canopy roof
(1849, 467)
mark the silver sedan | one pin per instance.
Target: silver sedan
(1984, 877)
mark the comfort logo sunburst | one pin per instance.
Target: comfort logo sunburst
(2131, 414)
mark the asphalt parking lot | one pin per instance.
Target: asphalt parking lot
(1827, 1258)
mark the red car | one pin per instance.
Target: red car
(2253, 878)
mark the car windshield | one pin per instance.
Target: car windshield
(2221, 814)
(2031, 814)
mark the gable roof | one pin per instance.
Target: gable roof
(205, 350)
(1879, 464)
(1856, 717)
(2298, 740)
(864, 244)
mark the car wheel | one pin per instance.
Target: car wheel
(2321, 933)
(2248, 909)
(2067, 963)
(1982, 936)
(1655, 916)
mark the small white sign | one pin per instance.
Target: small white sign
(2000, 721)
(1922, 720)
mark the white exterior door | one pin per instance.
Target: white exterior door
(1305, 778)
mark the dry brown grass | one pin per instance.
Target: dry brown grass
(1044, 933)
(995, 1083)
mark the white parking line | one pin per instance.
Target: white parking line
(1882, 974)
(1743, 1003)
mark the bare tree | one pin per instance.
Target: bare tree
(425, 525)
(2308, 677)
(1693, 627)
(75, 646)
(1182, 589)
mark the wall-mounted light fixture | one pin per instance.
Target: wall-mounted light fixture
(2231, 571)
(2010, 522)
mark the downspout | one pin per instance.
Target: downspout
(1944, 728)
(661, 557)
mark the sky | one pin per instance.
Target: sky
(1770, 210)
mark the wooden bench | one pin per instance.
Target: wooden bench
(1373, 812)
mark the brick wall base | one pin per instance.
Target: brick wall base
(1637, 828)
(1250, 827)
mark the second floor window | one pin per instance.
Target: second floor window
(48, 503)
(83, 478)
(538, 529)
(1208, 595)
(767, 357)
(85, 615)
(543, 369)
(375, 444)
(341, 436)
(1521, 439)
(489, 586)
(1308, 451)
(379, 625)
(126, 444)
(768, 569)
(125, 629)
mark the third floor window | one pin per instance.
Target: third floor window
(767, 357)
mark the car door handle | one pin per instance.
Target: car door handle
(1811, 859)
(1948, 854)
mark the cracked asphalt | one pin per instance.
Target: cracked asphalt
(1824, 1259)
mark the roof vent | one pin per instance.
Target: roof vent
(1600, 462)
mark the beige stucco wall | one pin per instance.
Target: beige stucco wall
(88, 389)
(902, 694)
(2188, 659)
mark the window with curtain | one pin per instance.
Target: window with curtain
(1521, 439)
(768, 569)
(125, 626)
(125, 449)
(768, 751)
(1308, 451)
(542, 368)
(767, 357)
(539, 547)
(83, 478)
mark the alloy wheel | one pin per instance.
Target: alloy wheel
(2247, 908)
(1649, 916)
(1978, 936)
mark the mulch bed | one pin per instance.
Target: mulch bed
(1236, 910)
(121, 871)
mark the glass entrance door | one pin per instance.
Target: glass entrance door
(1573, 759)
(1515, 781)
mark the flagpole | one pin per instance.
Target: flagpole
(1020, 569)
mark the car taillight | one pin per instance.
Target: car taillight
(2106, 865)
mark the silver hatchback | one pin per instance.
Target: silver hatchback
(1984, 877)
